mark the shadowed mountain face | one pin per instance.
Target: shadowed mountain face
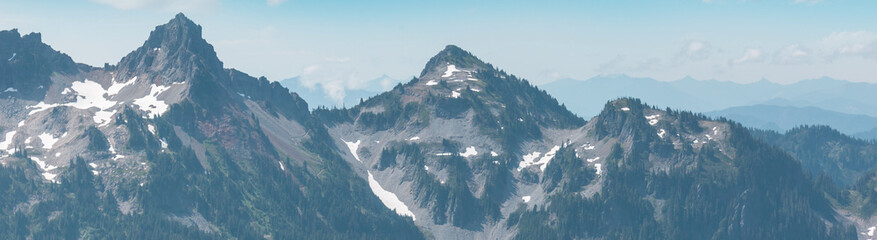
(169, 144)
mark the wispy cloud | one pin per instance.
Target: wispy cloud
(694, 51)
(749, 56)
(164, 5)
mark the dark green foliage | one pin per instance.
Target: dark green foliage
(822, 149)
(567, 171)
(96, 139)
(759, 194)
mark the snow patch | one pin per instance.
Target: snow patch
(353, 146)
(46, 168)
(530, 159)
(388, 198)
(588, 146)
(4, 145)
(431, 83)
(48, 140)
(526, 199)
(151, 128)
(599, 168)
(653, 119)
(10, 58)
(10, 90)
(415, 138)
(494, 154)
(475, 89)
(443, 154)
(150, 102)
(425, 167)
(163, 143)
(281, 166)
(661, 133)
(470, 151)
(455, 94)
(625, 109)
(592, 159)
(451, 70)
(116, 87)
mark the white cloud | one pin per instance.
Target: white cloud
(694, 51)
(751, 55)
(856, 44)
(275, 2)
(794, 54)
(164, 5)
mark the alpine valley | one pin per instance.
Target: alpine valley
(170, 144)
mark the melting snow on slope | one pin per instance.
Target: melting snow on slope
(13, 57)
(599, 168)
(4, 145)
(353, 146)
(661, 133)
(530, 159)
(451, 70)
(116, 87)
(526, 199)
(455, 94)
(388, 198)
(89, 94)
(870, 232)
(431, 83)
(150, 102)
(45, 167)
(653, 119)
(48, 140)
(470, 151)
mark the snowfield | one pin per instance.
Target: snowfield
(526, 199)
(353, 146)
(388, 198)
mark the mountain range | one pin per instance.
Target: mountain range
(847, 106)
(170, 144)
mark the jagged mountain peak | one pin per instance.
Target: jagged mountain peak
(176, 49)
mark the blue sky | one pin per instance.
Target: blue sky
(343, 44)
